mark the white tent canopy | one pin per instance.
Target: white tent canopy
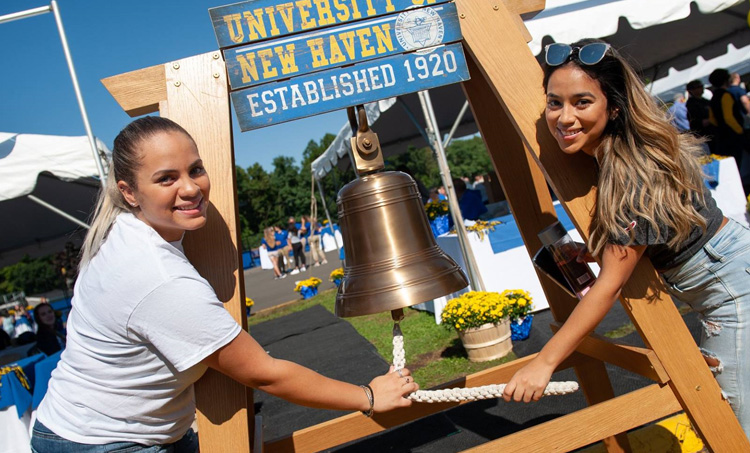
(661, 36)
(37, 170)
(735, 60)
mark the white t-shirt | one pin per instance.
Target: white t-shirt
(142, 321)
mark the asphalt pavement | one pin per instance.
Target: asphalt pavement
(267, 293)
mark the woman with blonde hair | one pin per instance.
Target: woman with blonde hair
(274, 250)
(145, 325)
(651, 200)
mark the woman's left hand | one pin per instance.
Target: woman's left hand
(529, 383)
(390, 390)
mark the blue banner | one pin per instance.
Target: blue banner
(304, 53)
(257, 20)
(335, 89)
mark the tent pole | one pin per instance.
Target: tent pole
(24, 14)
(58, 211)
(471, 267)
(460, 116)
(79, 97)
(328, 216)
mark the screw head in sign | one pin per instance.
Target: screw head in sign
(177, 83)
(495, 7)
(216, 75)
(176, 65)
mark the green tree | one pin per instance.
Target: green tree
(330, 184)
(31, 276)
(267, 199)
(468, 158)
(255, 201)
(421, 163)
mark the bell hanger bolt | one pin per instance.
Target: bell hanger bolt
(366, 152)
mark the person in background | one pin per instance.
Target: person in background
(273, 247)
(313, 238)
(434, 195)
(726, 115)
(4, 338)
(286, 249)
(294, 239)
(651, 201)
(699, 112)
(739, 93)
(8, 322)
(469, 201)
(479, 186)
(24, 330)
(678, 114)
(300, 227)
(50, 334)
(145, 325)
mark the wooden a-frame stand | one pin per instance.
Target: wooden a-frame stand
(506, 97)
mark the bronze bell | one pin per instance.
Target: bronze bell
(392, 259)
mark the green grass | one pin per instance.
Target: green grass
(433, 354)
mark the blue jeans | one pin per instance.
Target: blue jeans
(715, 282)
(43, 440)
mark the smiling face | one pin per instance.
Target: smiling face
(171, 186)
(576, 111)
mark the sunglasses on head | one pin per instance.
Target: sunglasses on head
(590, 54)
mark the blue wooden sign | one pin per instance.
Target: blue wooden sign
(333, 89)
(304, 53)
(256, 20)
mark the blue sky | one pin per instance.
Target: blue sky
(107, 38)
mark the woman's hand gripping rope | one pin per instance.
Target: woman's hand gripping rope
(460, 394)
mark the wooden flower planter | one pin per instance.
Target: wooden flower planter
(487, 342)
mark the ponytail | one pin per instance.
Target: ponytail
(108, 207)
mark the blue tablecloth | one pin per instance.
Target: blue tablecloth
(63, 306)
(13, 392)
(250, 259)
(42, 373)
(711, 173)
(327, 230)
(507, 236)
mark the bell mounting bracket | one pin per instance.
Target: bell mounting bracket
(368, 157)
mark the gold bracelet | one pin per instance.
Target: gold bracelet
(370, 398)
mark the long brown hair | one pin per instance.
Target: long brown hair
(646, 168)
(125, 163)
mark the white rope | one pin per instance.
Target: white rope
(463, 394)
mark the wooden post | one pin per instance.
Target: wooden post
(514, 76)
(193, 92)
(531, 204)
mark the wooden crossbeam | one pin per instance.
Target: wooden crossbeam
(641, 361)
(139, 92)
(591, 424)
(354, 426)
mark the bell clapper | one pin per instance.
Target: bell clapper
(459, 394)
